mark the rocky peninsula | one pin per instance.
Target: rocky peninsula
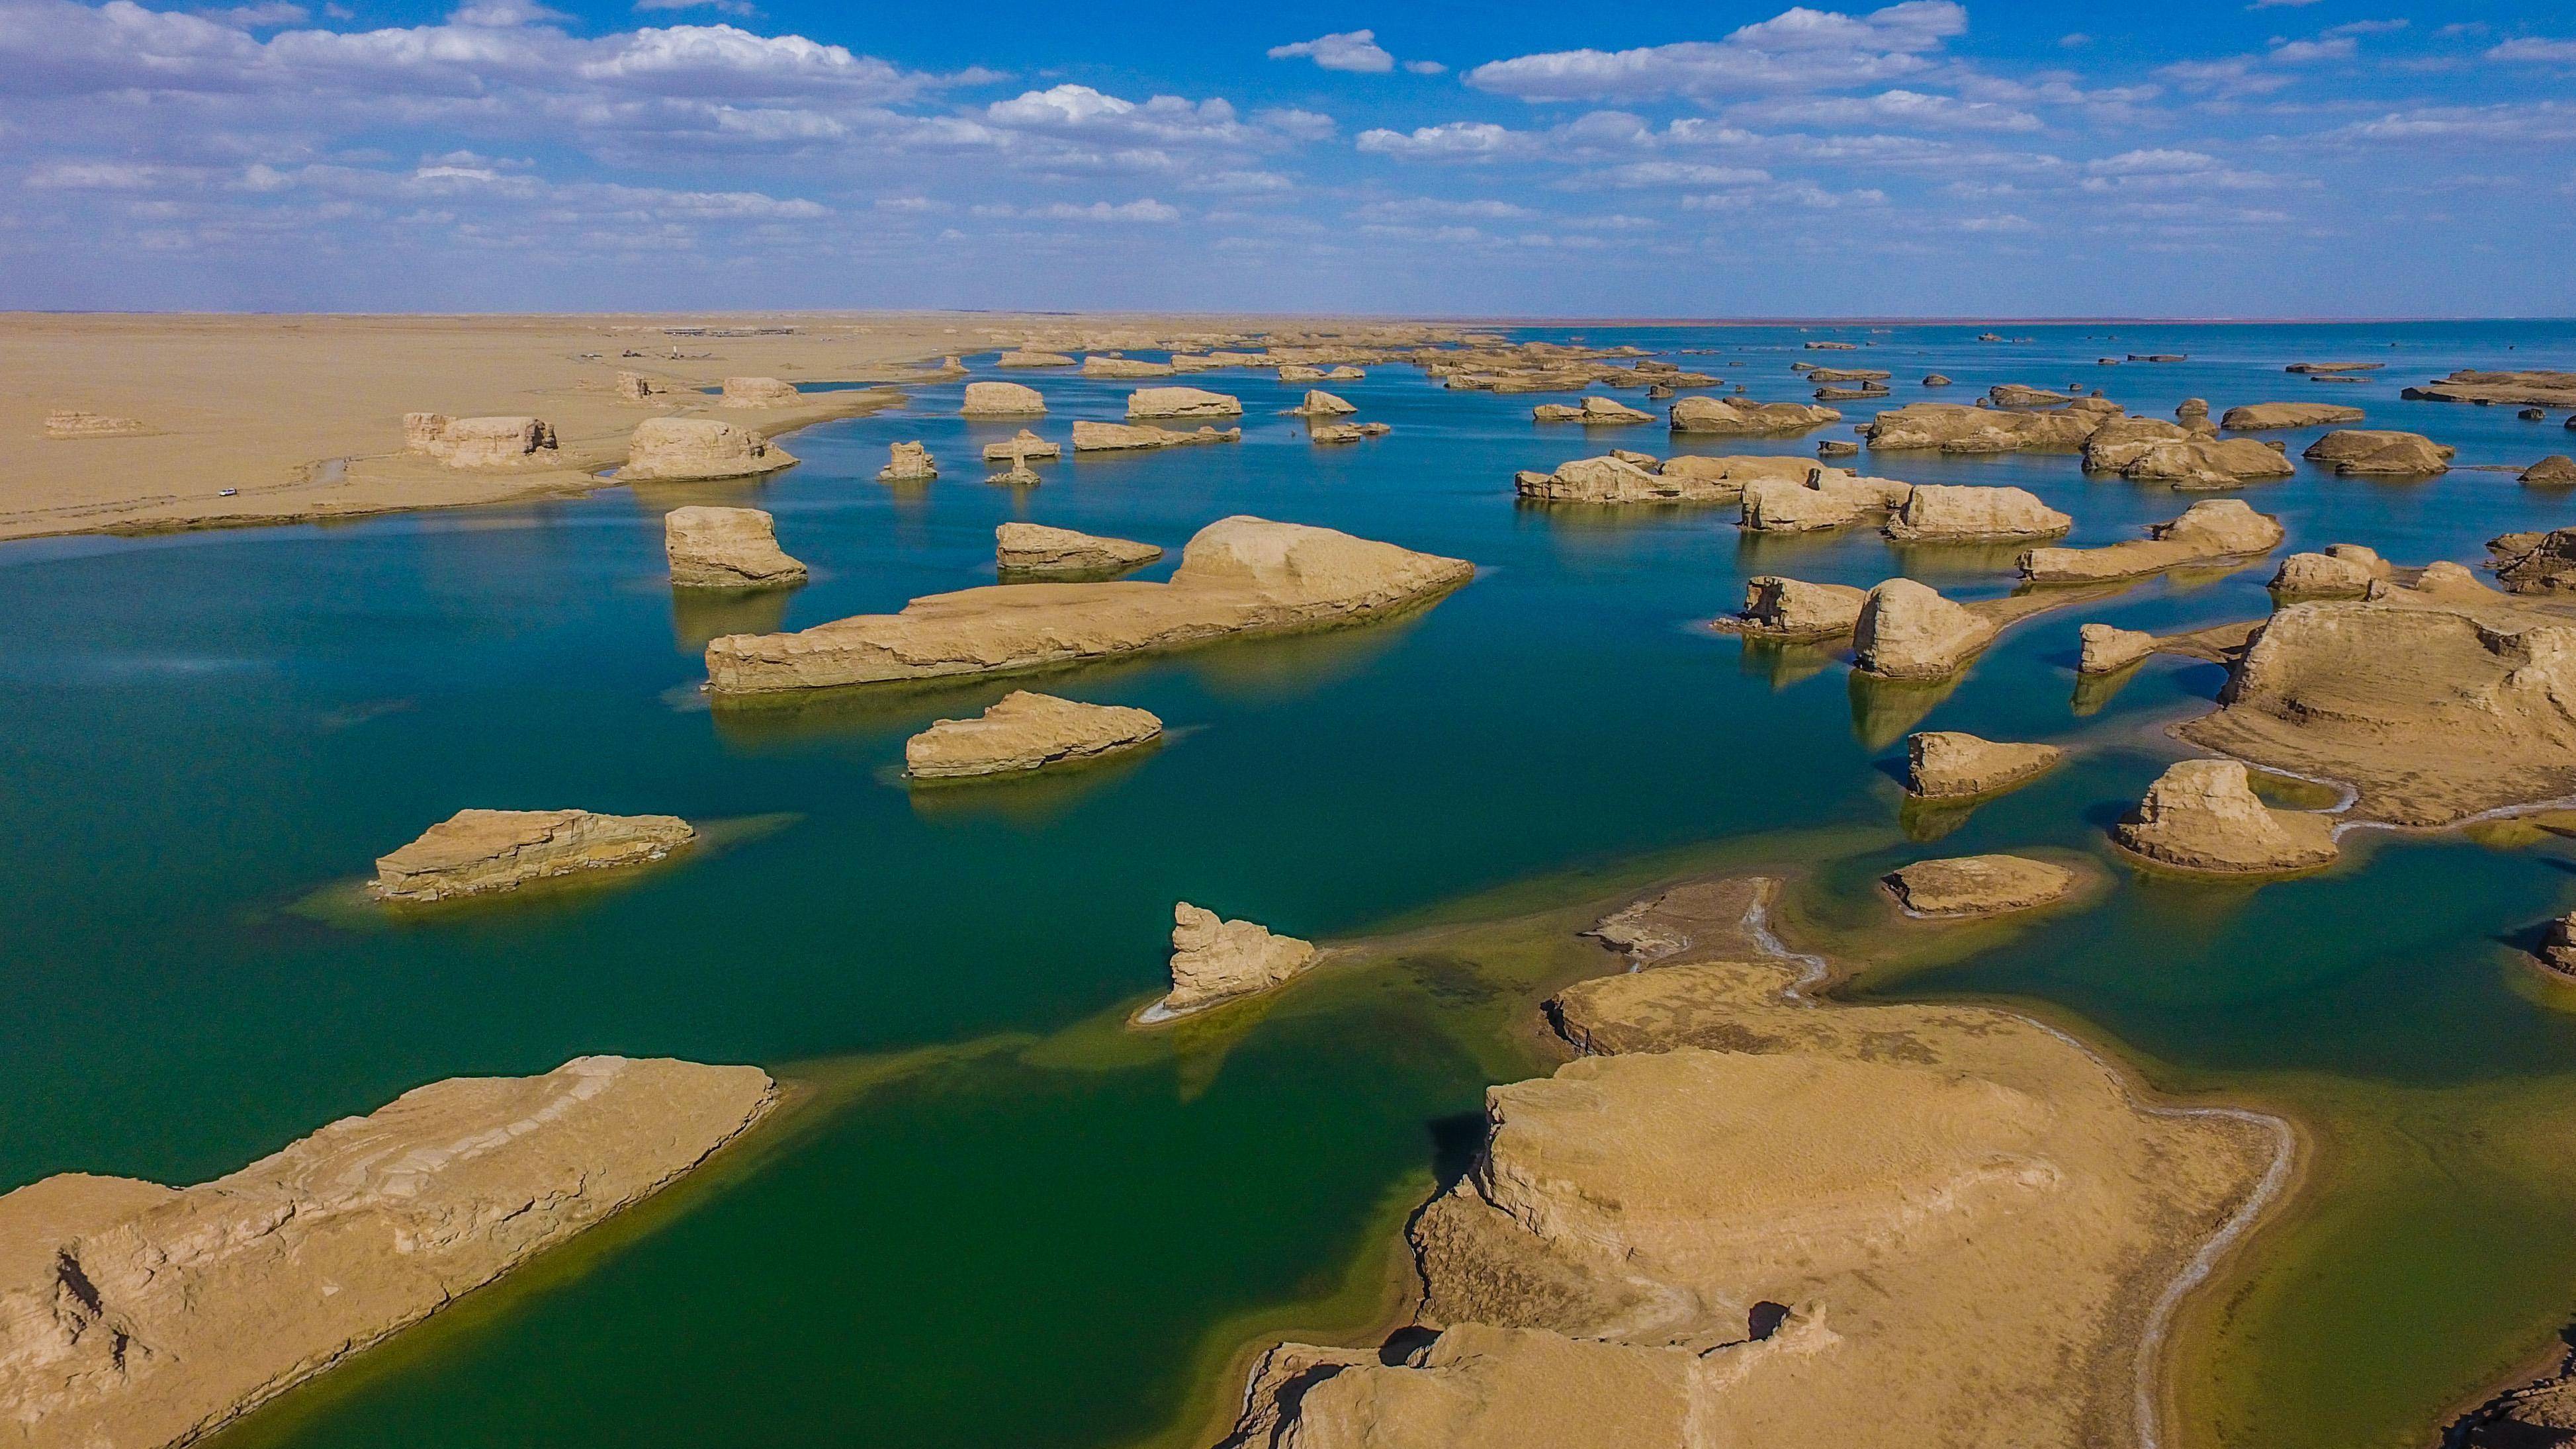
(474, 852)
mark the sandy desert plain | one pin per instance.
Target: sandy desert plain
(1286, 881)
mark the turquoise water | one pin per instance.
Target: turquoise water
(207, 737)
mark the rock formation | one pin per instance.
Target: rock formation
(2202, 464)
(1613, 479)
(757, 392)
(72, 423)
(1743, 418)
(1958, 428)
(2216, 528)
(1022, 447)
(1181, 402)
(1722, 479)
(138, 1315)
(1090, 437)
(2108, 649)
(636, 387)
(1786, 609)
(1978, 885)
(1934, 379)
(1033, 359)
(1836, 448)
(1032, 548)
(726, 548)
(907, 463)
(1296, 373)
(2015, 395)
(2121, 441)
(2377, 452)
(2537, 387)
(480, 442)
(2558, 953)
(2535, 563)
(1124, 367)
(2203, 815)
(1321, 404)
(2326, 368)
(1026, 731)
(2437, 702)
(1908, 631)
(2344, 570)
(1823, 498)
(1001, 400)
(1215, 961)
(1848, 374)
(1018, 475)
(1943, 511)
(1949, 765)
(476, 851)
(2555, 471)
(1237, 576)
(2265, 417)
(678, 449)
(1345, 432)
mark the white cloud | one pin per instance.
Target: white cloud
(2534, 121)
(1798, 49)
(2226, 79)
(1453, 141)
(1351, 50)
(1418, 208)
(1425, 67)
(2534, 48)
(2300, 52)
(260, 16)
(729, 7)
(1903, 108)
(1643, 175)
(1145, 210)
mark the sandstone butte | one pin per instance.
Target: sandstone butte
(1034, 548)
(2435, 703)
(479, 442)
(1821, 498)
(2344, 570)
(1021, 447)
(1032, 359)
(476, 851)
(1025, 731)
(1124, 367)
(2108, 649)
(1978, 885)
(908, 463)
(142, 1316)
(1907, 630)
(1181, 402)
(756, 392)
(726, 548)
(1790, 609)
(1744, 1220)
(1000, 400)
(1321, 404)
(679, 449)
(2380, 452)
(1238, 576)
(1950, 765)
(1215, 961)
(1941, 511)
(1090, 437)
(2260, 417)
(2211, 530)
(2203, 815)
(1743, 418)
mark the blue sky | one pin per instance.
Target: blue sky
(2288, 157)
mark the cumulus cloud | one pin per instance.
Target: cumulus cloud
(729, 7)
(1798, 49)
(2535, 48)
(1416, 208)
(1450, 141)
(1902, 108)
(1351, 50)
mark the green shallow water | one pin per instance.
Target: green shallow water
(1051, 1235)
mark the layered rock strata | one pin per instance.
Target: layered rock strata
(1978, 885)
(1824, 498)
(690, 449)
(1090, 437)
(2208, 531)
(1034, 548)
(756, 392)
(1950, 765)
(908, 463)
(474, 852)
(1907, 630)
(1023, 732)
(1215, 961)
(2108, 649)
(1001, 400)
(1743, 418)
(726, 548)
(2203, 815)
(1022, 447)
(1181, 402)
(1789, 609)
(1936, 512)
(2367, 452)
(480, 442)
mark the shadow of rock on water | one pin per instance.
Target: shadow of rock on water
(1887, 710)
(1276, 667)
(1787, 664)
(654, 498)
(1923, 820)
(800, 716)
(1759, 552)
(2092, 691)
(699, 616)
(1945, 565)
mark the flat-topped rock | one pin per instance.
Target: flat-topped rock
(1345, 432)
(1025, 731)
(2380, 452)
(1824, 498)
(1034, 548)
(2555, 471)
(1181, 402)
(726, 548)
(1023, 447)
(2207, 464)
(1321, 404)
(2203, 815)
(1789, 609)
(1594, 411)
(1978, 885)
(1033, 359)
(1907, 630)
(2344, 570)
(689, 449)
(756, 392)
(1001, 400)
(1848, 374)
(1744, 418)
(73, 423)
(2121, 441)
(1951, 765)
(2017, 395)
(908, 463)
(1217, 960)
(477, 851)
(1237, 576)
(2213, 529)
(480, 442)
(1091, 437)
(2108, 649)
(139, 1315)
(1960, 428)
(2535, 387)
(2257, 417)
(2323, 368)
(1608, 479)
(1124, 367)
(1943, 511)
(1722, 479)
